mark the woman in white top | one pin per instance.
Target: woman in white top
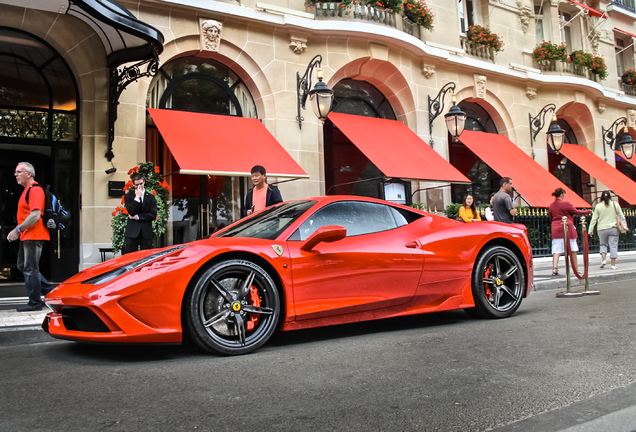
(488, 210)
(605, 216)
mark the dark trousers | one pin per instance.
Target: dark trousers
(29, 264)
(133, 244)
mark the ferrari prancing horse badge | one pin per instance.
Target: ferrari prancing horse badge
(278, 249)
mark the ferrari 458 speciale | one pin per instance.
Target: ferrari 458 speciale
(300, 264)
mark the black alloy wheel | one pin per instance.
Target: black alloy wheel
(498, 283)
(232, 308)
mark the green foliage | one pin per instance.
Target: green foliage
(484, 37)
(595, 64)
(418, 12)
(392, 5)
(452, 210)
(419, 206)
(547, 50)
(629, 77)
(154, 184)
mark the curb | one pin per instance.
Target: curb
(579, 284)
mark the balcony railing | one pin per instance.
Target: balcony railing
(481, 51)
(358, 11)
(559, 67)
(628, 89)
(625, 4)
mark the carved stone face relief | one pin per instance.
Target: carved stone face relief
(631, 118)
(480, 86)
(211, 34)
(428, 70)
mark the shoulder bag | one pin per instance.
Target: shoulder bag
(621, 223)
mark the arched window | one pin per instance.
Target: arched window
(483, 179)
(201, 204)
(347, 170)
(38, 95)
(563, 169)
(201, 85)
(361, 98)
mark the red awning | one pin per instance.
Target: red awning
(209, 144)
(395, 149)
(590, 10)
(534, 183)
(625, 32)
(612, 178)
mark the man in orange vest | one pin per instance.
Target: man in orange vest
(32, 234)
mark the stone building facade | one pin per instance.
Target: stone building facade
(226, 57)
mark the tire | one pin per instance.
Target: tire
(498, 283)
(232, 308)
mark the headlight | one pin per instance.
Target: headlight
(115, 273)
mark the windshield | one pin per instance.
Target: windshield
(269, 223)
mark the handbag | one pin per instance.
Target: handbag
(621, 223)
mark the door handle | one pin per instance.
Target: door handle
(413, 244)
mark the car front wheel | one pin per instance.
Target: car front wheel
(232, 308)
(498, 283)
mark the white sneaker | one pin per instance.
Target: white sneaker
(614, 267)
(603, 264)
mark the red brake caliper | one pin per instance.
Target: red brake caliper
(255, 300)
(486, 276)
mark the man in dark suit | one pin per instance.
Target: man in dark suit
(142, 210)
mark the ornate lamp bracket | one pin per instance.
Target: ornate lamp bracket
(119, 80)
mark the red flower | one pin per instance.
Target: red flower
(122, 199)
(125, 211)
(157, 169)
(114, 213)
(154, 192)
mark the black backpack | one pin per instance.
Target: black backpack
(53, 210)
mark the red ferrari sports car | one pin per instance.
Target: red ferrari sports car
(300, 264)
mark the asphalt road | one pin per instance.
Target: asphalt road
(557, 365)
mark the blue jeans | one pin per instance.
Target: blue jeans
(29, 264)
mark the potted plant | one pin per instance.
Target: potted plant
(388, 5)
(629, 77)
(157, 186)
(599, 67)
(418, 12)
(581, 58)
(547, 51)
(482, 37)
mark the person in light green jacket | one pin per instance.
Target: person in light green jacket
(605, 217)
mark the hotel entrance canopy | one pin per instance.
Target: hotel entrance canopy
(124, 37)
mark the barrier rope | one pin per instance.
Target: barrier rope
(586, 257)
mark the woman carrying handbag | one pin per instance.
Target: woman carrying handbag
(611, 222)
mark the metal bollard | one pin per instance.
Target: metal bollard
(587, 290)
(566, 247)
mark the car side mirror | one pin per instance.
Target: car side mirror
(327, 234)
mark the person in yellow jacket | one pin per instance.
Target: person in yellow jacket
(468, 211)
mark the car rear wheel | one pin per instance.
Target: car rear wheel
(498, 283)
(232, 308)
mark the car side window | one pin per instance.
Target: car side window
(356, 216)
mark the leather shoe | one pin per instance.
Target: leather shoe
(29, 308)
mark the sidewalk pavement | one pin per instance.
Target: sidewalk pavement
(10, 298)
